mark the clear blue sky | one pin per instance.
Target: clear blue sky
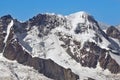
(107, 11)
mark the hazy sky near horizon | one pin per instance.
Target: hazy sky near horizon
(107, 11)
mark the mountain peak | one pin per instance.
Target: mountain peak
(81, 14)
(82, 21)
(8, 16)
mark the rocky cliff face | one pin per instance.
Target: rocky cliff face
(113, 32)
(61, 47)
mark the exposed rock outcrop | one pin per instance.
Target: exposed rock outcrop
(113, 32)
(4, 21)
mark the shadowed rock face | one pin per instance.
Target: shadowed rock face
(113, 32)
(1, 42)
(4, 21)
(14, 51)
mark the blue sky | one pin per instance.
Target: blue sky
(107, 11)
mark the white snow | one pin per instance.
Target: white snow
(106, 55)
(8, 30)
(87, 49)
(79, 17)
(103, 26)
(116, 40)
(105, 43)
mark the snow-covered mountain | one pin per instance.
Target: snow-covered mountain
(72, 47)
